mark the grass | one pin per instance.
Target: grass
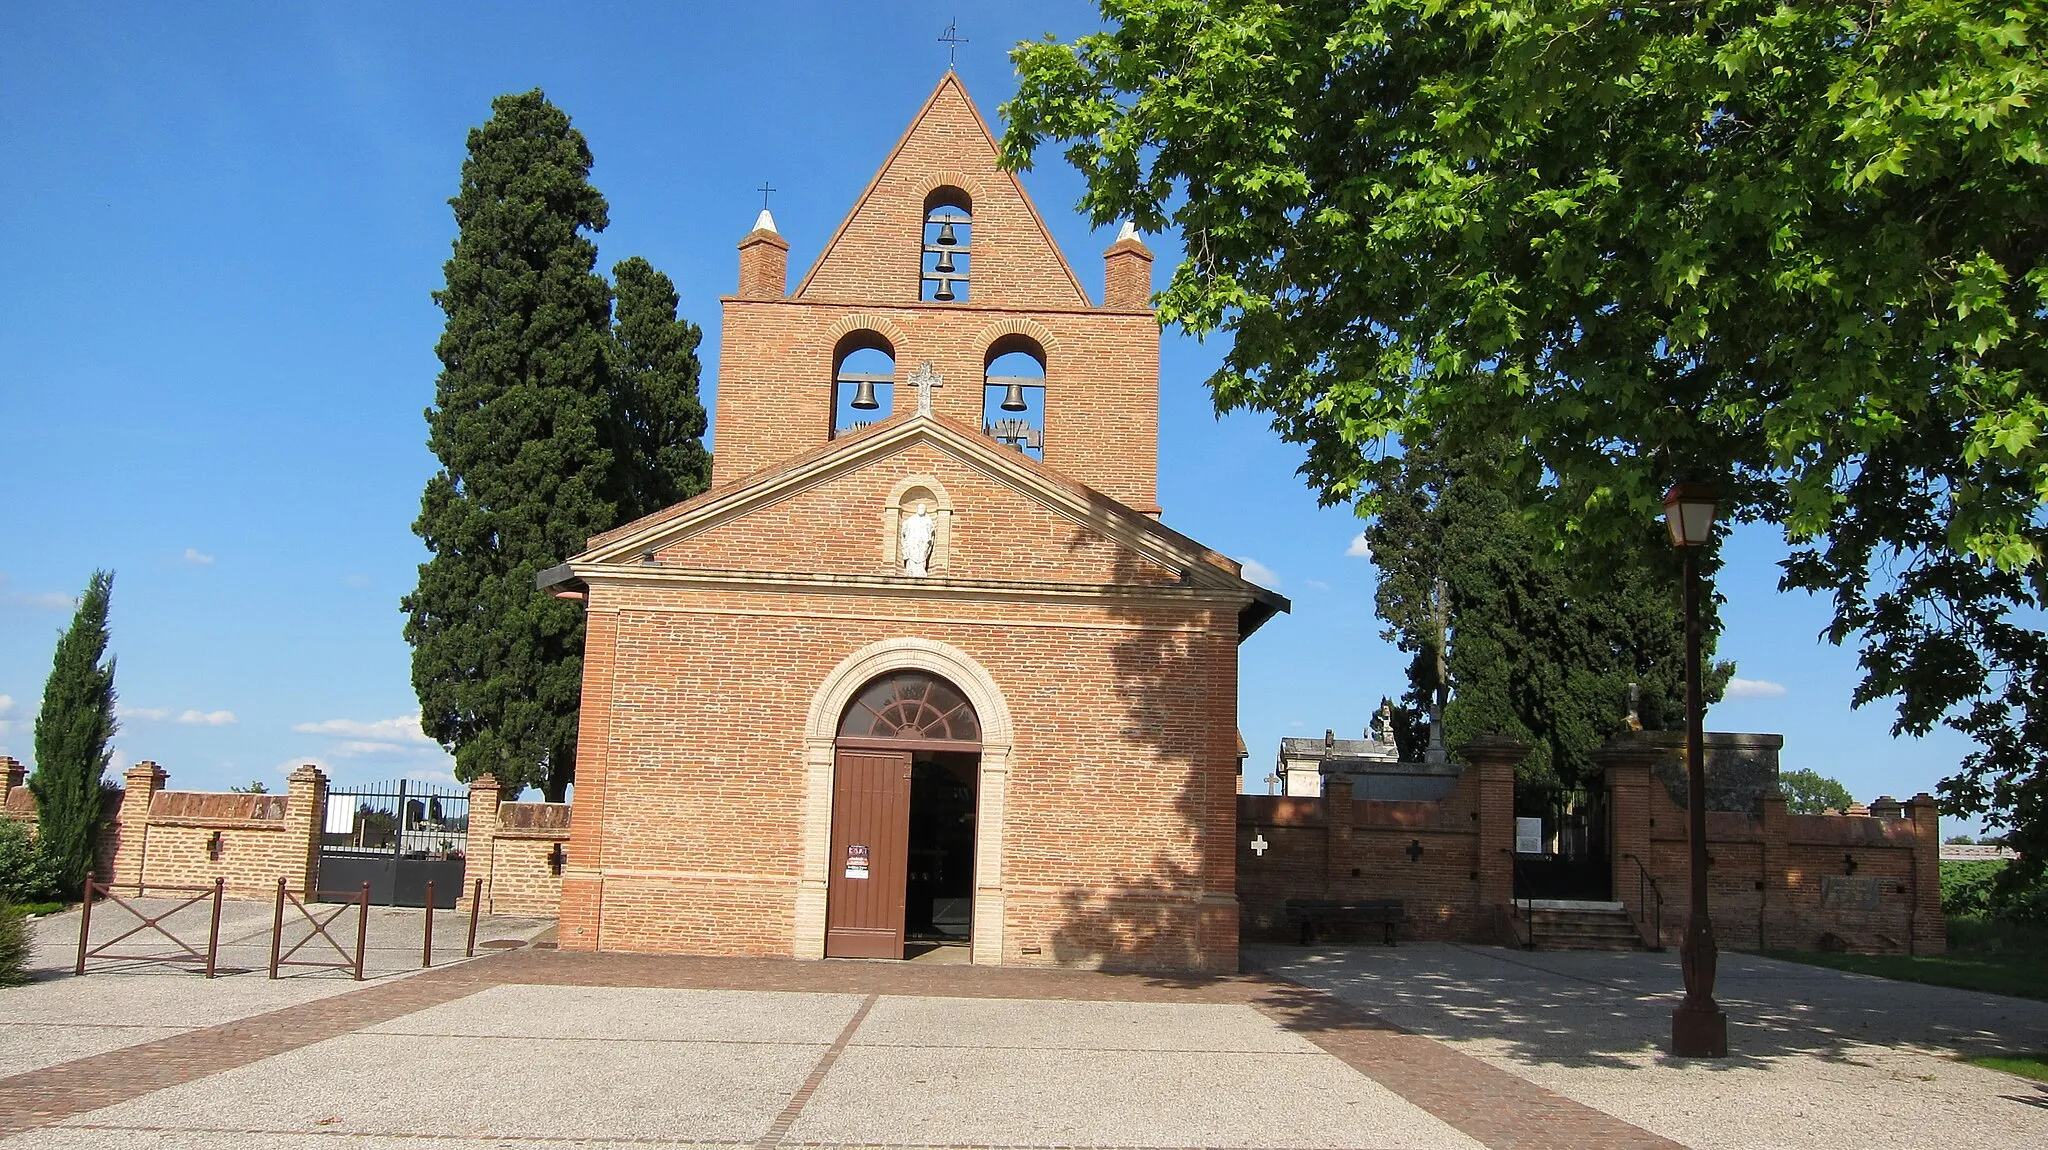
(1984, 954)
(40, 907)
(2033, 1066)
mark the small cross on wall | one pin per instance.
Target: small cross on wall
(1259, 845)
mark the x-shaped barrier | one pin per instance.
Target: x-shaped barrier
(320, 922)
(150, 922)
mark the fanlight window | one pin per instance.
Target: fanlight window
(910, 705)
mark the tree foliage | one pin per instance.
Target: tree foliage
(1794, 249)
(1808, 792)
(1534, 646)
(656, 432)
(73, 738)
(550, 428)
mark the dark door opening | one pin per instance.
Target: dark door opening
(939, 904)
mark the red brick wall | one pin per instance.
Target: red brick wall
(690, 783)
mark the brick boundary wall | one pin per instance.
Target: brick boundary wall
(1861, 882)
(156, 837)
(510, 849)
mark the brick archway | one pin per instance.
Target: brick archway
(821, 728)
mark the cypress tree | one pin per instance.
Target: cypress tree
(73, 733)
(656, 433)
(518, 423)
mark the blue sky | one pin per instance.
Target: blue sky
(216, 341)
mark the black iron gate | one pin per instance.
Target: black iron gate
(398, 837)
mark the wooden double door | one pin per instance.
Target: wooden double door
(869, 864)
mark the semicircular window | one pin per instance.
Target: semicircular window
(910, 705)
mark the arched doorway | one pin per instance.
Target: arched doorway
(906, 765)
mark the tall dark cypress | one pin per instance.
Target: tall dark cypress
(74, 733)
(518, 424)
(656, 433)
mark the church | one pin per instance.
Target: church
(923, 672)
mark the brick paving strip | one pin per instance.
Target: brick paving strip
(1497, 1108)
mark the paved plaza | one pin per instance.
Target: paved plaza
(1340, 1048)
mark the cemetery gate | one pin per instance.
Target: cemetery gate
(397, 837)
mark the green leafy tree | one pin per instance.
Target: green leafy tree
(1797, 250)
(73, 738)
(518, 423)
(656, 433)
(1525, 643)
(1809, 792)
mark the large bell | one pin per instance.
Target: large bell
(946, 239)
(945, 292)
(864, 396)
(945, 263)
(1013, 397)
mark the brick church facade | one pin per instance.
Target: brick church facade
(927, 669)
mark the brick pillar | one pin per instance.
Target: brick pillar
(1127, 274)
(1337, 825)
(481, 850)
(141, 782)
(1626, 762)
(1495, 757)
(764, 265)
(1776, 920)
(16, 775)
(1887, 807)
(305, 813)
(1930, 929)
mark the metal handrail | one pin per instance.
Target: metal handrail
(1646, 882)
(1528, 900)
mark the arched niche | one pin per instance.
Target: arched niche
(911, 492)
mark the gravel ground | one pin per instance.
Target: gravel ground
(1819, 1059)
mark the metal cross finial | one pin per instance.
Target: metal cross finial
(952, 39)
(924, 379)
(764, 189)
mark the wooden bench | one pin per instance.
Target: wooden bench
(1316, 913)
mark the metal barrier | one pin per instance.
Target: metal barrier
(150, 922)
(320, 924)
(1646, 885)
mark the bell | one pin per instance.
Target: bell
(1013, 397)
(864, 395)
(945, 292)
(945, 263)
(946, 235)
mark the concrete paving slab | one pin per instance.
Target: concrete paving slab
(26, 1046)
(965, 1096)
(1015, 1023)
(504, 1088)
(1820, 1059)
(121, 1138)
(615, 1013)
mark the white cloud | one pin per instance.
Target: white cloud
(6, 704)
(206, 718)
(293, 764)
(188, 716)
(1359, 548)
(1316, 584)
(1753, 689)
(195, 555)
(443, 778)
(47, 600)
(403, 729)
(128, 712)
(1259, 573)
(352, 748)
(355, 580)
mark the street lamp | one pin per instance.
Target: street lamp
(1698, 1028)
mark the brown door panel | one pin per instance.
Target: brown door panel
(866, 872)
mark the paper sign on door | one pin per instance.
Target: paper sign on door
(856, 860)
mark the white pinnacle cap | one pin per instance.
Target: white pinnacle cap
(766, 222)
(1130, 231)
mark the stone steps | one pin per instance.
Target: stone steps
(1579, 925)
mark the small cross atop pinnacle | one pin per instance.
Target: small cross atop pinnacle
(952, 39)
(765, 191)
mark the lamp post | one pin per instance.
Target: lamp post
(1698, 1028)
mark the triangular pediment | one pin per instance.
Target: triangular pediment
(876, 254)
(1014, 521)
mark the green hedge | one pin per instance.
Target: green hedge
(1972, 890)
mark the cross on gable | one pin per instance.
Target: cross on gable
(952, 39)
(924, 379)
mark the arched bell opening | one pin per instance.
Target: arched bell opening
(948, 228)
(863, 381)
(1013, 394)
(905, 797)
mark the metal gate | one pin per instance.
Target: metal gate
(398, 837)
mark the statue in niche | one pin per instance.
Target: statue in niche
(916, 541)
